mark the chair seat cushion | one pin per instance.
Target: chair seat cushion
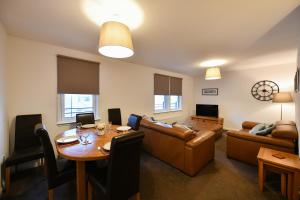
(25, 155)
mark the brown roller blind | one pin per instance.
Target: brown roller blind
(175, 86)
(76, 76)
(166, 85)
(161, 84)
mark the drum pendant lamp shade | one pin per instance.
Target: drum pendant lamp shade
(213, 73)
(115, 40)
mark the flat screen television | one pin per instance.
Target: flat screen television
(207, 110)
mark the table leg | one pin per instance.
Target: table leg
(80, 174)
(296, 185)
(261, 175)
(290, 186)
(283, 184)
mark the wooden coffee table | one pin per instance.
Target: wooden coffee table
(285, 163)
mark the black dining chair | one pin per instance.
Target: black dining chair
(120, 179)
(114, 116)
(85, 118)
(59, 171)
(27, 146)
(134, 121)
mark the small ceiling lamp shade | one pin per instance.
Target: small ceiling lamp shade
(115, 40)
(282, 97)
(213, 73)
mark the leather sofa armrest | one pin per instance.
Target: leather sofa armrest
(249, 124)
(202, 136)
(261, 139)
(199, 151)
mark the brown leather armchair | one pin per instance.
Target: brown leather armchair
(244, 146)
(187, 151)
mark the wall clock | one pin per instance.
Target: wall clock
(264, 90)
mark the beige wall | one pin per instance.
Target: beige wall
(235, 100)
(3, 113)
(32, 84)
(297, 99)
(32, 87)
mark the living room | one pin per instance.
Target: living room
(249, 50)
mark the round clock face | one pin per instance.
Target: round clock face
(264, 90)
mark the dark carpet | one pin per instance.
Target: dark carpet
(221, 179)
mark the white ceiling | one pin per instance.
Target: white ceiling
(175, 35)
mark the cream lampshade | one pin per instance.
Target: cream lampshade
(282, 97)
(213, 73)
(115, 40)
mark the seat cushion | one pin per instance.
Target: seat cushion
(25, 155)
(268, 139)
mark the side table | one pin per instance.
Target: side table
(286, 163)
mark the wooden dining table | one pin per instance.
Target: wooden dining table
(85, 152)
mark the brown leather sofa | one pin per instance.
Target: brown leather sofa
(244, 146)
(187, 151)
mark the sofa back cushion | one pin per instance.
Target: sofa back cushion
(285, 122)
(285, 131)
(171, 131)
(182, 127)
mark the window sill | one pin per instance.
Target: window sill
(167, 111)
(62, 123)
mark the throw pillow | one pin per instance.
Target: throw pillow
(183, 127)
(267, 130)
(257, 128)
(163, 124)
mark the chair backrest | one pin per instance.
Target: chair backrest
(114, 116)
(24, 131)
(50, 160)
(134, 121)
(123, 175)
(85, 118)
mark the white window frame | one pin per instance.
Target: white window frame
(168, 105)
(180, 103)
(61, 108)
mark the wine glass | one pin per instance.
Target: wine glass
(85, 136)
(78, 125)
(109, 126)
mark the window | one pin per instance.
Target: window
(72, 104)
(167, 93)
(160, 103)
(166, 103)
(175, 102)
